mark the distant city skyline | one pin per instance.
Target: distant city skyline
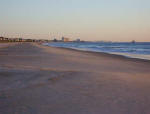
(92, 20)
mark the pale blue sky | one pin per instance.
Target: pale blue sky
(115, 20)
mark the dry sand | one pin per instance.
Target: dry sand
(36, 79)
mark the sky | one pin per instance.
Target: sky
(93, 20)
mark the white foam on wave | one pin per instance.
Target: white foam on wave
(138, 56)
(129, 55)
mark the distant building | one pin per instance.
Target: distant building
(11, 40)
(23, 40)
(16, 39)
(133, 42)
(77, 40)
(55, 40)
(6, 39)
(1, 38)
(20, 39)
(29, 40)
(65, 39)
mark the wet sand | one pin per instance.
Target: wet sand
(36, 79)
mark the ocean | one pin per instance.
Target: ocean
(134, 50)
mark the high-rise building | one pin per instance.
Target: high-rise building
(65, 39)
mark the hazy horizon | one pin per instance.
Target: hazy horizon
(92, 20)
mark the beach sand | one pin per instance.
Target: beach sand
(36, 79)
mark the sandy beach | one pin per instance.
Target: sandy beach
(36, 79)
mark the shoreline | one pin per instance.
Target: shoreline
(126, 54)
(117, 55)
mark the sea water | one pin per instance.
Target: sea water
(129, 49)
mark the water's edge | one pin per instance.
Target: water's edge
(128, 55)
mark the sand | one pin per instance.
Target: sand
(36, 79)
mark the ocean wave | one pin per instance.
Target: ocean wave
(125, 48)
